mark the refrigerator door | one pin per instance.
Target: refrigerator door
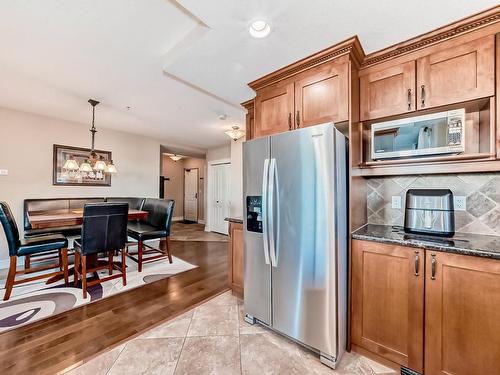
(256, 255)
(304, 256)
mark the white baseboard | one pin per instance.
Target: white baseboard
(178, 218)
(201, 221)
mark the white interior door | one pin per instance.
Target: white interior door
(220, 198)
(191, 194)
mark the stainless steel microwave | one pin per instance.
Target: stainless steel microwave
(437, 133)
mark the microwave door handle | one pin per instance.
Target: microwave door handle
(265, 184)
(271, 215)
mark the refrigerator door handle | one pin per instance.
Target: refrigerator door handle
(272, 242)
(265, 193)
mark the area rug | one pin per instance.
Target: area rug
(35, 300)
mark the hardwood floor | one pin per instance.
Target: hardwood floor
(63, 341)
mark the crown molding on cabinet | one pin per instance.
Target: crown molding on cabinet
(466, 25)
(351, 47)
(249, 104)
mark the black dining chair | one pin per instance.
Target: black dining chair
(155, 227)
(30, 246)
(104, 230)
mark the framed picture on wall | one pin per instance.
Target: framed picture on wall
(61, 176)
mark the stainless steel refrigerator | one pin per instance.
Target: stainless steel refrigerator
(295, 232)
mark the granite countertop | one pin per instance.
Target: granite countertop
(237, 220)
(462, 243)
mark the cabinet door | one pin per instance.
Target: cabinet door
(462, 315)
(235, 258)
(322, 95)
(388, 92)
(457, 74)
(273, 110)
(387, 301)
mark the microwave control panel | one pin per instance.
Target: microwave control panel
(254, 214)
(455, 131)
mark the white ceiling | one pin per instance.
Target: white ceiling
(178, 65)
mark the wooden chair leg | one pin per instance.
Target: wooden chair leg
(124, 268)
(167, 247)
(64, 254)
(60, 259)
(10, 278)
(76, 268)
(27, 262)
(84, 275)
(139, 255)
(111, 253)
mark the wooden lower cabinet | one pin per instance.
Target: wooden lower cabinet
(462, 315)
(235, 259)
(388, 301)
(452, 300)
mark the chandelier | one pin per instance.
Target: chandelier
(235, 133)
(94, 167)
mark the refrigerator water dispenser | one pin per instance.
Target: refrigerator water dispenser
(254, 214)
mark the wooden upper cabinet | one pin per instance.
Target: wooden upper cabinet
(462, 315)
(388, 92)
(322, 95)
(274, 110)
(457, 74)
(387, 301)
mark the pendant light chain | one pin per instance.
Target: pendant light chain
(92, 168)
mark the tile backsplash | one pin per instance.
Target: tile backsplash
(481, 189)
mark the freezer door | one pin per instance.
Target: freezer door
(304, 271)
(256, 256)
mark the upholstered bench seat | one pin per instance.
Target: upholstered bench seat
(69, 230)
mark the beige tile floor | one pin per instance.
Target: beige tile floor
(214, 339)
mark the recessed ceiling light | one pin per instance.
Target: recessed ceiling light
(259, 29)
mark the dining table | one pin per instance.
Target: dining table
(61, 218)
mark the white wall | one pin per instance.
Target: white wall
(26, 142)
(236, 192)
(219, 153)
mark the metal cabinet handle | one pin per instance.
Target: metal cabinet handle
(422, 95)
(290, 121)
(433, 267)
(409, 99)
(417, 263)
(297, 119)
